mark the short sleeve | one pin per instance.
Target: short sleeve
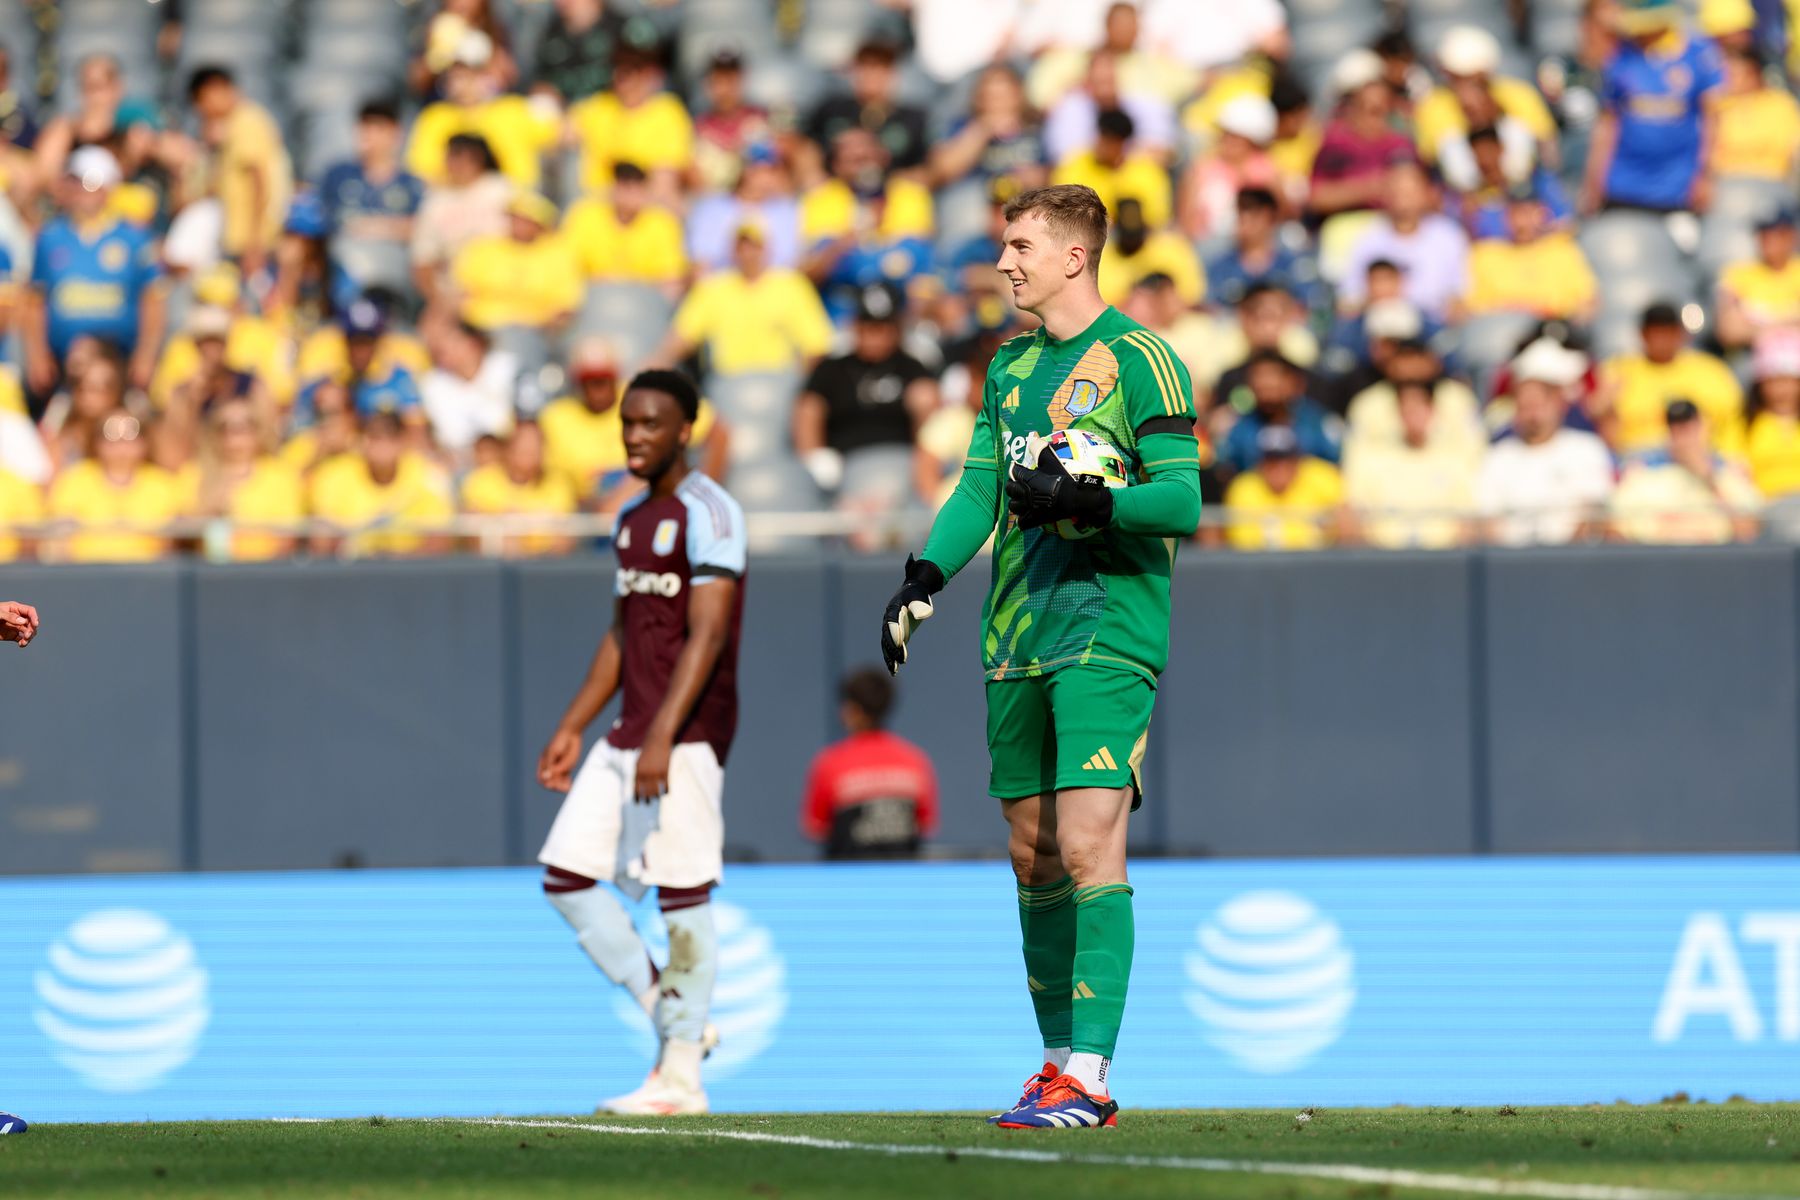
(1153, 378)
(1709, 70)
(717, 542)
(146, 264)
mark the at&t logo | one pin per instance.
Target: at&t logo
(122, 1000)
(1272, 980)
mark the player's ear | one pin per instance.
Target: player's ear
(1076, 262)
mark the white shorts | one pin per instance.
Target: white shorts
(602, 832)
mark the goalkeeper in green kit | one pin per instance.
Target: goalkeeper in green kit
(1075, 630)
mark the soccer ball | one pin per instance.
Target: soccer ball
(1088, 458)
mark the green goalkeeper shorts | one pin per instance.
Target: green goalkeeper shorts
(1082, 726)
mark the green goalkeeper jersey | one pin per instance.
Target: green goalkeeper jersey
(1103, 600)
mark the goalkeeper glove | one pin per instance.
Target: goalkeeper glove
(1048, 493)
(910, 605)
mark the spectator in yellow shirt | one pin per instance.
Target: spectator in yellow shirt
(1285, 502)
(1416, 494)
(117, 501)
(1685, 494)
(21, 504)
(1536, 270)
(236, 478)
(1763, 293)
(636, 122)
(865, 224)
(585, 441)
(469, 203)
(1773, 444)
(1636, 390)
(360, 345)
(251, 172)
(254, 345)
(1135, 252)
(1759, 124)
(526, 277)
(1117, 171)
(752, 318)
(382, 498)
(520, 485)
(1470, 59)
(518, 131)
(627, 239)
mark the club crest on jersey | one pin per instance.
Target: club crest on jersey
(664, 541)
(1083, 399)
(113, 256)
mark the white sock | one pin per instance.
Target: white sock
(1089, 1070)
(604, 929)
(687, 982)
(680, 1062)
(1057, 1056)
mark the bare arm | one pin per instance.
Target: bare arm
(710, 606)
(1600, 156)
(152, 323)
(809, 423)
(40, 363)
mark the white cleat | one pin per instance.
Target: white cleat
(660, 1096)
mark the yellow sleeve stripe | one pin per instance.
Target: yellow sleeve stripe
(1161, 367)
(1173, 462)
(1178, 401)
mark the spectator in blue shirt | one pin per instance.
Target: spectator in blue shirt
(92, 274)
(1659, 100)
(1258, 255)
(1276, 388)
(1483, 207)
(376, 386)
(373, 197)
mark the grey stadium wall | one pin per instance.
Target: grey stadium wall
(185, 716)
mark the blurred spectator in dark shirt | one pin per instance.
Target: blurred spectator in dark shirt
(1277, 398)
(574, 57)
(372, 198)
(1259, 255)
(871, 105)
(873, 794)
(856, 419)
(1482, 204)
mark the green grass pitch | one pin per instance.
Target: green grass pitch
(1619, 1152)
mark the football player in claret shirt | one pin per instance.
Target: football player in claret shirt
(1075, 632)
(644, 809)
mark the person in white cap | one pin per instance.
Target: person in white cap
(1359, 143)
(93, 274)
(1207, 203)
(1544, 483)
(1475, 94)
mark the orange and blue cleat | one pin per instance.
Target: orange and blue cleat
(1034, 1087)
(1063, 1104)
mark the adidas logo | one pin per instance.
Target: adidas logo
(1082, 992)
(1012, 400)
(1103, 761)
(1032, 983)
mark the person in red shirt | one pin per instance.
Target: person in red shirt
(874, 794)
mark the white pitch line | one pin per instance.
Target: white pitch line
(1342, 1172)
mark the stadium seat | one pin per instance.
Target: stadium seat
(1728, 230)
(787, 81)
(1487, 341)
(833, 30)
(775, 484)
(766, 399)
(709, 26)
(375, 263)
(632, 316)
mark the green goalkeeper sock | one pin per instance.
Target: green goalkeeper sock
(1104, 935)
(1047, 921)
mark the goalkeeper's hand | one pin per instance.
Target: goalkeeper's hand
(1047, 493)
(910, 605)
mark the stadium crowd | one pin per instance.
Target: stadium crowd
(317, 276)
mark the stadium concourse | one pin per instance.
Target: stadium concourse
(359, 277)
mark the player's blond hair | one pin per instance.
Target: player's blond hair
(1070, 210)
